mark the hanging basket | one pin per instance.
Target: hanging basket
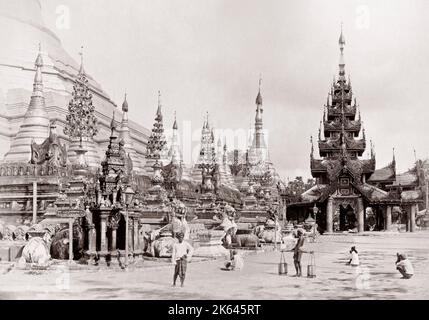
(282, 265)
(311, 267)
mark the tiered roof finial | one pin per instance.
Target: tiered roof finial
(113, 123)
(393, 158)
(81, 69)
(259, 96)
(125, 104)
(312, 147)
(158, 111)
(342, 43)
(175, 127)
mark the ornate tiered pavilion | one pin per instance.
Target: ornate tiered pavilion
(349, 193)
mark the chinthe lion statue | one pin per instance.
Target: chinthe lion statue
(36, 251)
(246, 240)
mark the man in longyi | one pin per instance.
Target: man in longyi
(182, 254)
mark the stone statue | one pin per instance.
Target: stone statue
(88, 216)
(37, 251)
(178, 219)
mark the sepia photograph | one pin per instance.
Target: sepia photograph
(235, 151)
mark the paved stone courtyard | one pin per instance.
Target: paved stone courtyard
(375, 279)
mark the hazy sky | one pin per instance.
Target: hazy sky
(207, 56)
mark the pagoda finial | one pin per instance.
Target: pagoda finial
(175, 127)
(393, 158)
(320, 131)
(415, 154)
(342, 43)
(125, 104)
(158, 112)
(207, 126)
(259, 96)
(81, 69)
(312, 147)
(38, 81)
(112, 123)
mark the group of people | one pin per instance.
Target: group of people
(403, 264)
(182, 254)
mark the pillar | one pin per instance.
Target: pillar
(127, 237)
(103, 240)
(388, 222)
(413, 213)
(92, 238)
(330, 216)
(361, 217)
(34, 202)
(113, 238)
(71, 240)
(427, 196)
(136, 234)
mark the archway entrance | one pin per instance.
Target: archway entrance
(347, 219)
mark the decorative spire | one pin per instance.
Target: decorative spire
(38, 81)
(342, 43)
(224, 158)
(312, 147)
(259, 96)
(125, 104)
(175, 127)
(113, 124)
(393, 158)
(81, 69)
(320, 131)
(159, 111)
(156, 143)
(81, 120)
(174, 153)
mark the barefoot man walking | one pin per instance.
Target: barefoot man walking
(297, 252)
(182, 253)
